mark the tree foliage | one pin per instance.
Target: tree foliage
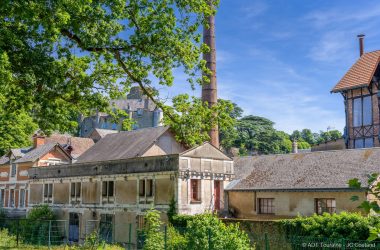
(351, 226)
(193, 118)
(369, 206)
(62, 58)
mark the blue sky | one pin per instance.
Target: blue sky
(280, 59)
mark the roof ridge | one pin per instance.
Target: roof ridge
(312, 152)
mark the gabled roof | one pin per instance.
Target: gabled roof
(79, 145)
(123, 145)
(103, 132)
(206, 150)
(14, 153)
(361, 73)
(40, 151)
(309, 171)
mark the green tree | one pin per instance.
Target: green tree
(62, 58)
(228, 134)
(296, 135)
(154, 236)
(373, 190)
(307, 136)
(189, 115)
(286, 143)
(258, 135)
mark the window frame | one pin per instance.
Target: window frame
(266, 208)
(361, 108)
(21, 202)
(75, 191)
(2, 197)
(108, 191)
(12, 198)
(364, 143)
(195, 185)
(13, 172)
(143, 187)
(333, 201)
(48, 193)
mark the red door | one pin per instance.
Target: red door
(217, 195)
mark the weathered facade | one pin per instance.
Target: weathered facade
(360, 90)
(139, 108)
(14, 178)
(128, 178)
(283, 186)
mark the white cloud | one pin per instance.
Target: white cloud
(254, 9)
(322, 18)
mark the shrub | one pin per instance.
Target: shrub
(205, 231)
(7, 240)
(352, 226)
(154, 236)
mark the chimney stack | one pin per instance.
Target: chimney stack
(294, 147)
(38, 140)
(361, 44)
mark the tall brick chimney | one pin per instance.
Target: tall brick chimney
(361, 44)
(209, 90)
(38, 140)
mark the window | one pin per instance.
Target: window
(106, 227)
(140, 221)
(53, 161)
(13, 170)
(266, 206)
(12, 198)
(48, 192)
(228, 167)
(362, 111)
(2, 194)
(107, 191)
(75, 190)
(325, 206)
(195, 190)
(364, 143)
(139, 112)
(146, 187)
(22, 198)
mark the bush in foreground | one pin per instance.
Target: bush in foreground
(351, 226)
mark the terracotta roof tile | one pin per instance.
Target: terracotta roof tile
(79, 144)
(361, 73)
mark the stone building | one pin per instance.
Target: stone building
(283, 186)
(45, 151)
(360, 90)
(123, 175)
(140, 109)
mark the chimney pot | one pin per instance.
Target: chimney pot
(294, 147)
(361, 44)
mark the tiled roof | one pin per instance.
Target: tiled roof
(361, 73)
(103, 132)
(4, 159)
(315, 170)
(122, 145)
(36, 153)
(78, 144)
